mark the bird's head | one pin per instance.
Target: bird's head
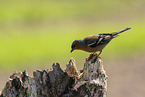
(75, 45)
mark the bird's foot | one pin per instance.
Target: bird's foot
(93, 57)
(93, 54)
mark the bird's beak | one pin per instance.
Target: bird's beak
(71, 50)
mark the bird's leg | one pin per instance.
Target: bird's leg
(99, 53)
(94, 53)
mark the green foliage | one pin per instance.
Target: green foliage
(42, 31)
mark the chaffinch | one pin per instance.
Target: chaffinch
(94, 43)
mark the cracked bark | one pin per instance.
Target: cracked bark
(91, 82)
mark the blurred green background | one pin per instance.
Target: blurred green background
(35, 34)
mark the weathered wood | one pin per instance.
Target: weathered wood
(91, 82)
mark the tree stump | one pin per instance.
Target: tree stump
(91, 82)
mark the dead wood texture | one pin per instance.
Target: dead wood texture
(91, 82)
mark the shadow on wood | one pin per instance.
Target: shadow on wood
(91, 82)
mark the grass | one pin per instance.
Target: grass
(42, 32)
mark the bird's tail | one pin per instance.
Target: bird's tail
(116, 33)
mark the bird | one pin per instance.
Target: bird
(95, 43)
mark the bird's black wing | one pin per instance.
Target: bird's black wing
(94, 42)
(103, 38)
